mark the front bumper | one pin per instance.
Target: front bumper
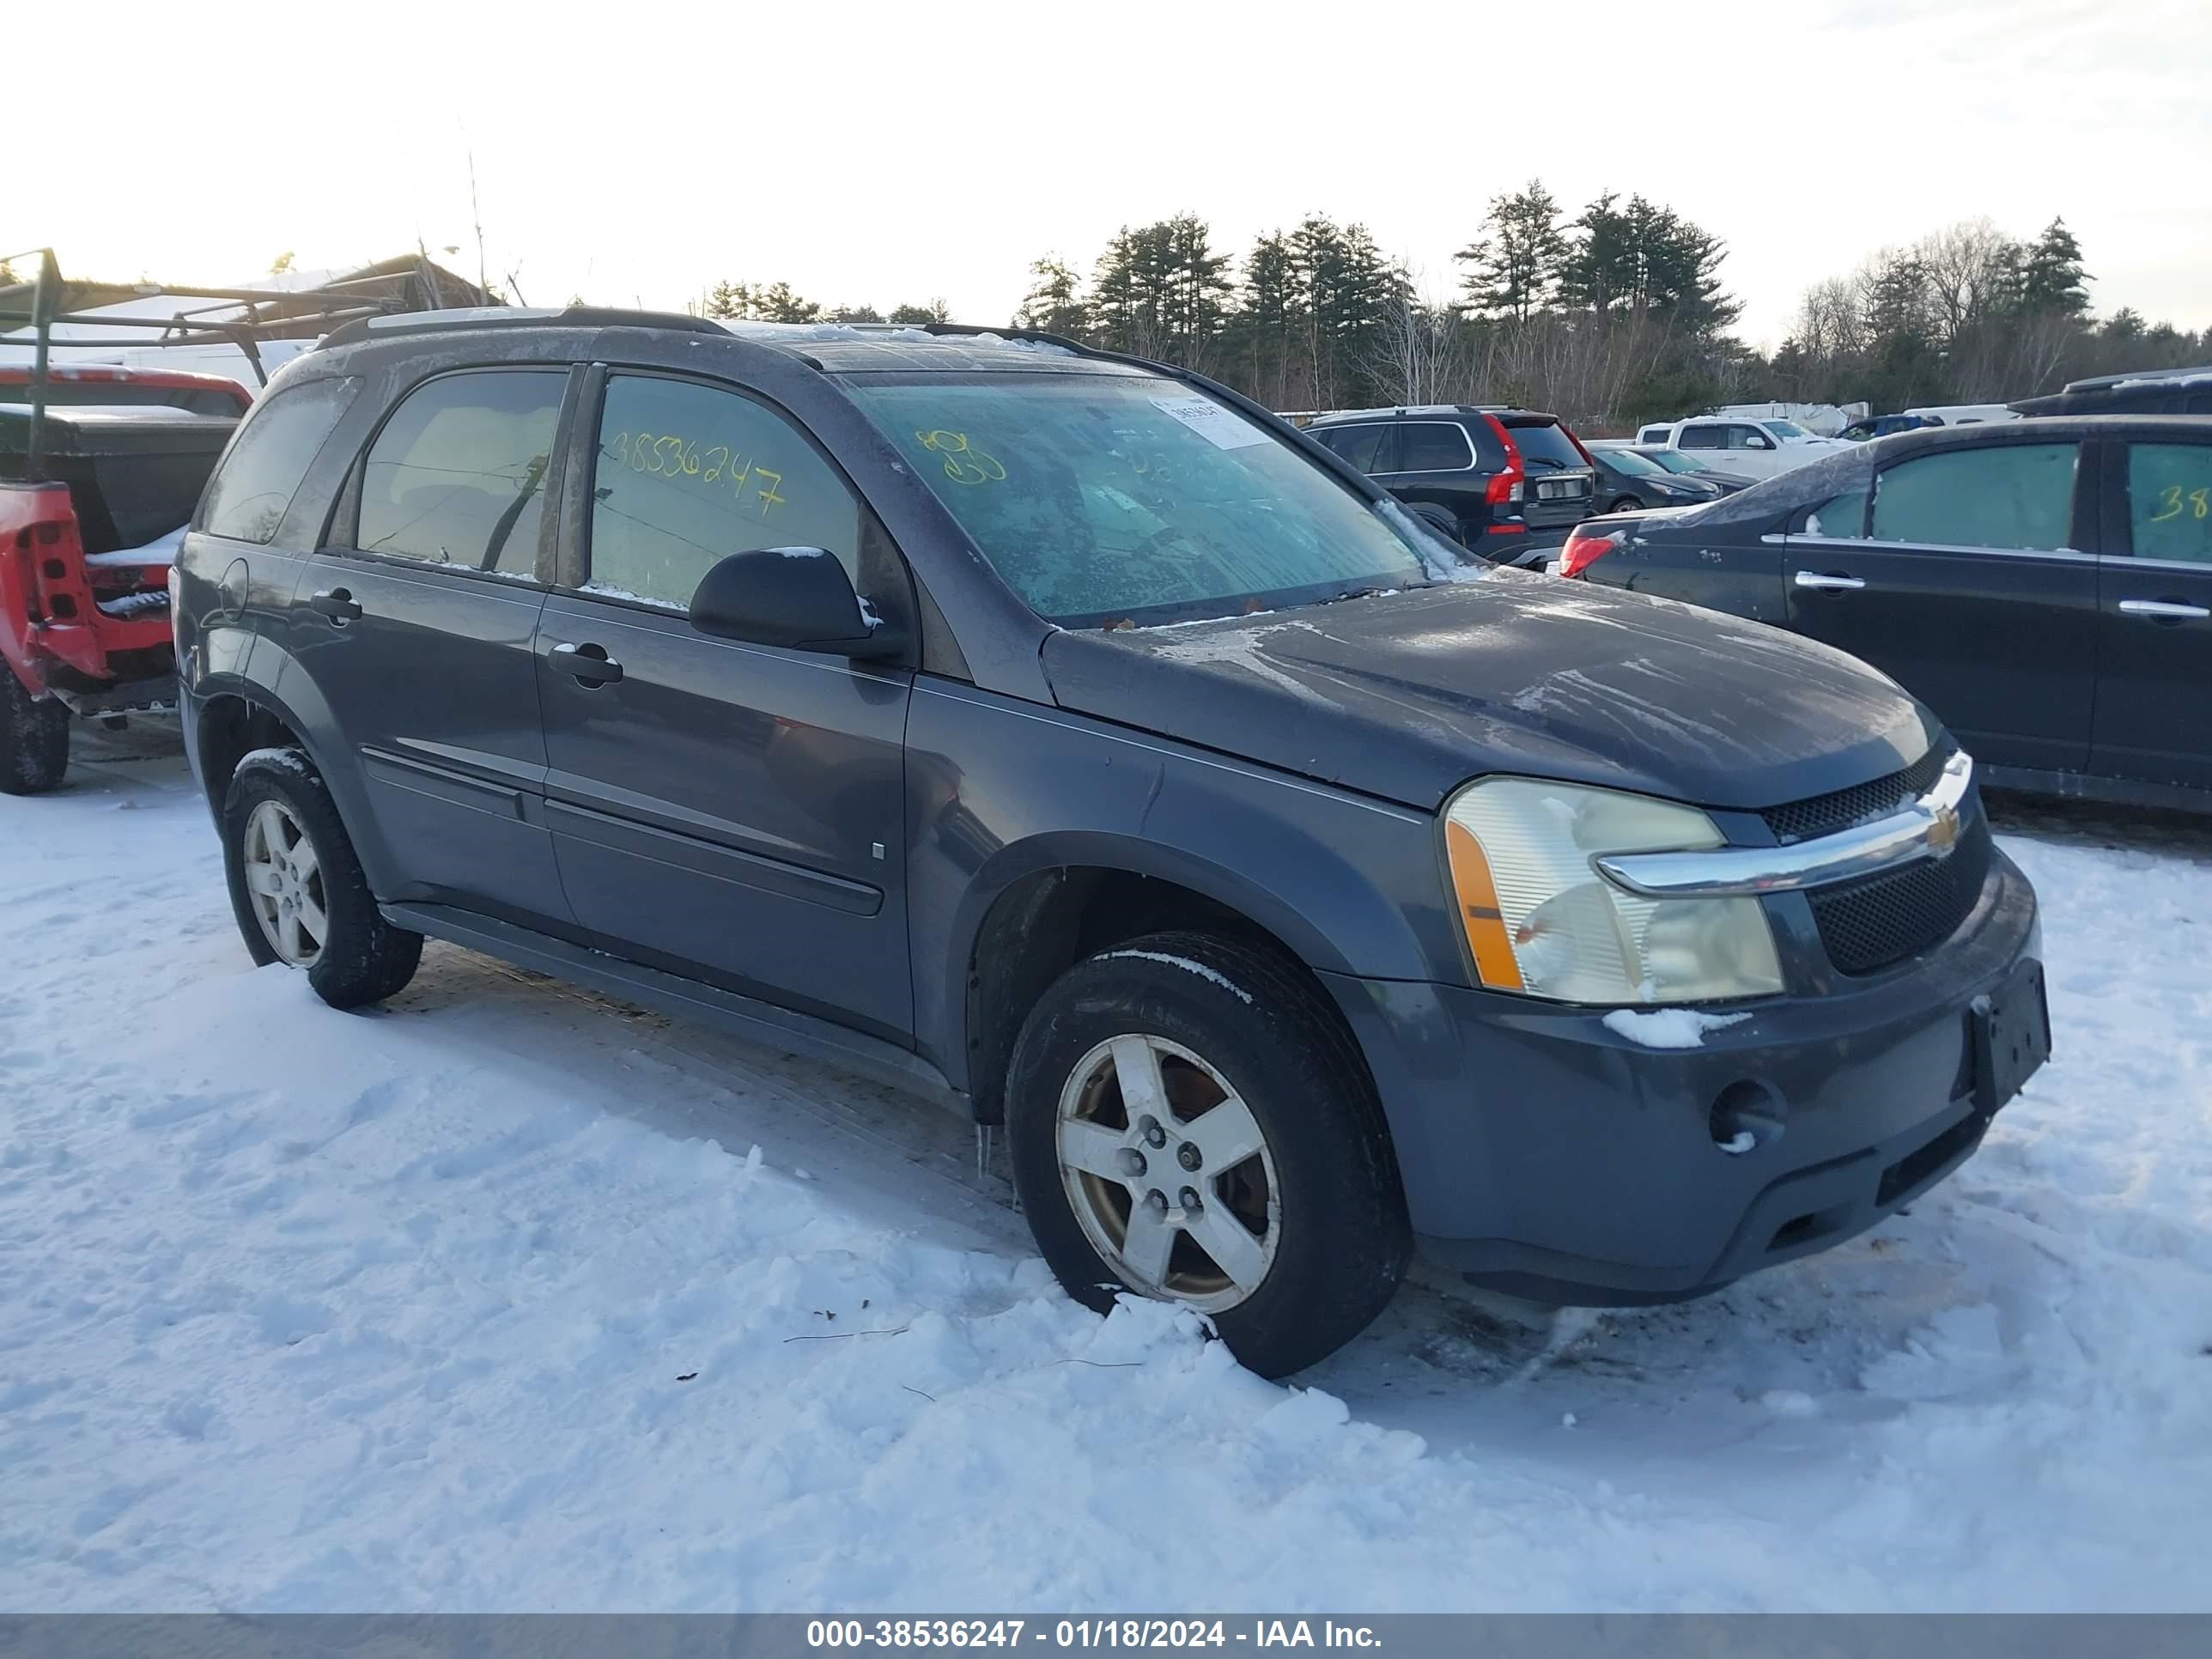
(1546, 1155)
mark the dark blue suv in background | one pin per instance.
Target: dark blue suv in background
(1066, 739)
(1506, 484)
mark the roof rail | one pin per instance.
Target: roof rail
(431, 322)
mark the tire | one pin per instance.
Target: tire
(1324, 1236)
(1626, 504)
(34, 734)
(310, 909)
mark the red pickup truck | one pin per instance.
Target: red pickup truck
(85, 552)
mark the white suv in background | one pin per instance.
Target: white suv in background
(1761, 448)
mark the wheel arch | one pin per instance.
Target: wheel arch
(1043, 905)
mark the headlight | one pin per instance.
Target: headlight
(1540, 920)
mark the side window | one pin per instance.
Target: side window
(1749, 437)
(1362, 445)
(1842, 516)
(1704, 437)
(2010, 496)
(458, 474)
(2170, 501)
(1433, 447)
(247, 497)
(1652, 435)
(689, 474)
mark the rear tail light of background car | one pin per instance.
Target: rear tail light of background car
(1585, 547)
(1510, 484)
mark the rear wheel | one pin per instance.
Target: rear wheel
(299, 892)
(1189, 1119)
(34, 733)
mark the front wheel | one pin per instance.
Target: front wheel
(1625, 504)
(299, 891)
(1188, 1119)
(34, 734)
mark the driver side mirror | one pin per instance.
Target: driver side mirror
(797, 597)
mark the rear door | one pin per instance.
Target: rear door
(1958, 579)
(2155, 591)
(728, 812)
(415, 623)
(1434, 463)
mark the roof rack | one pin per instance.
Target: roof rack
(431, 322)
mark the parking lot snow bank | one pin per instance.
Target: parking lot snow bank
(492, 1301)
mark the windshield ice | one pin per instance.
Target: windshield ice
(1114, 499)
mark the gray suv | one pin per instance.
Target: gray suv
(1066, 739)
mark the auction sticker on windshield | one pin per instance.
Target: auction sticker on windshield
(1222, 428)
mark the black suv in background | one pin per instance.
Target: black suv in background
(820, 683)
(1507, 483)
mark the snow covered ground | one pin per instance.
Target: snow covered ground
(511, 1299)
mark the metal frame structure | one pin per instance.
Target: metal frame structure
(249, 316)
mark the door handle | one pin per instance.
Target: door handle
(1828, 582)
(340, 606)
(588, 663)
(2165, 609)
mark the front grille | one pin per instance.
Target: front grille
(1824, 815)
(1867, 926)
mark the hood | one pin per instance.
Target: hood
(1408, 696)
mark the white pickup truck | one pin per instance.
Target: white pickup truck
(1759, 447)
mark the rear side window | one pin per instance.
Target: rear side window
(2170, 501)
(1433, 447)
(1652, 435)
(2009, 496)
(1544, 446)
(1362, 445)
(254, 485)
(457, 475)
(1704, 437)
(688, 474)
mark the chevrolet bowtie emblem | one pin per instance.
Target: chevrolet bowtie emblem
(1943, 833)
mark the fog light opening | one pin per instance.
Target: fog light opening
(1747, 1116)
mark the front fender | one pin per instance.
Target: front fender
(999, 789)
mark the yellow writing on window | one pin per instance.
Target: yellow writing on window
(2172, 503)
(720, 466)
(965, 463)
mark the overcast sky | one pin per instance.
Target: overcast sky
(637, 153)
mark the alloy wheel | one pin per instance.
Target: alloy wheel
(284, 879)
(1168, 1173)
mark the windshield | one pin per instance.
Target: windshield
(1674, 460)
(1785, 428)
(1105, 499)
(1627, 460)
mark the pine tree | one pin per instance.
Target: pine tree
(854, 314)
(1054, 303)
(1514, 265)
(2051, 279)
(937, 311)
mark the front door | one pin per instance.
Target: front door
(414, 624)
(732, 812)
(1960, 587)
(2156, 612)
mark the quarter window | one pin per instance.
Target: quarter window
(1842, 515)
(2007, 495)
(457, 475)
(2170, 501)
(1433, 447)
(689, 474)
(1362, 445)
(252, 489)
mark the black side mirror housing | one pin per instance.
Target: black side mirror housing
(797, 597)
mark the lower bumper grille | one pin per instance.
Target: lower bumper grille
(1867, 926)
